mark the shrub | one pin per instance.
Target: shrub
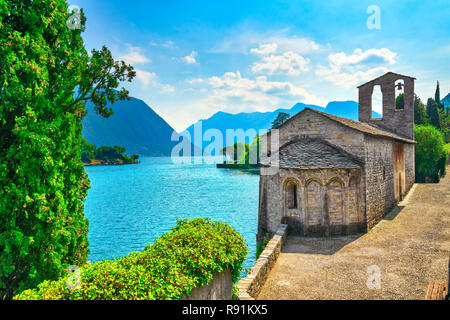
(431, 155)
(169, 268)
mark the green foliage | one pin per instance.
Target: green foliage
(169, 268)
(431, 156)
(114, 155)
(46, 77)
(437, 94)
(244, 153)
(444, 124)
(420, 114)
(400, 102)
(280, 119)
(433, 113)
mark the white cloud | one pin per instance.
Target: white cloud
(289, 63)
(190, 59)
(134, 56)
(234, 93)
(243, 41)
(144, 76)
(352, 70)
(168, 44)
(369, 57)
(151, 79)
(265, 49)
(195, 81)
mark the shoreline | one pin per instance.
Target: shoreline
(106, 163)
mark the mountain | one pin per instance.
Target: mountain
(263, 120)
(446, 100)
(134, 125)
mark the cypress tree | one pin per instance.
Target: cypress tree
(437, 94)
(433, 112)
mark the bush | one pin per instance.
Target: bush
(169, 268)
(431, 156)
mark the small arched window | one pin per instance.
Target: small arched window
(291, 190)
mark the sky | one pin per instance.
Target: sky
(195, 58)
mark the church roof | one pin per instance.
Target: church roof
(315, 154)
(357, 125)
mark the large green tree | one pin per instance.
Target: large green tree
(46, 77)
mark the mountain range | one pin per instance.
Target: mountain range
(263, 120)
(446, 100)
(134, 125)
(137, 127)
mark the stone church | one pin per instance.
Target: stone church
(334, 176)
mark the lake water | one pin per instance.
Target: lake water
(129, 206)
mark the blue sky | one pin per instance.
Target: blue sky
(194, 58)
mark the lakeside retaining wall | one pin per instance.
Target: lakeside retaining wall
(250, 286)
(220, 288)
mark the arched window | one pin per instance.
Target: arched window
(291, 196)
(399, 94)
(377, 103)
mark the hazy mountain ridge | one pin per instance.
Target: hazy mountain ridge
(446, 100)
(263, 120)
(137, 127)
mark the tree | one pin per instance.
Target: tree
(46, 77)
(280, 119)
(88, 151)
(430, 153)
(437, 95)
(400, 102)
(255, 150)
(433, 113)
(420, 114)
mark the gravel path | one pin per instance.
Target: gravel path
(409, 247)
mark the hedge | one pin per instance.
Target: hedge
(168, 269)
(430, 153)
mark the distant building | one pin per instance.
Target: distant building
(337, 176)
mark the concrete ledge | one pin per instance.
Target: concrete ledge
(219, 288)
(250, 286)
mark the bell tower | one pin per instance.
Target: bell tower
(398, 112)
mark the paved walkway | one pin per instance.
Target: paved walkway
(410, 246)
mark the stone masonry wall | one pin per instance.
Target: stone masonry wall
(330, 201)
(379, 172)
(399, 121)
(250, 286)
(410, 174)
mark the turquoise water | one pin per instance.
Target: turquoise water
(129, 206)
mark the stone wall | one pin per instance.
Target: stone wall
(410, 172)
(250, 286)
(379, 172)
(330, 202)
(314, 125)
(399, 121)
(220, 288)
